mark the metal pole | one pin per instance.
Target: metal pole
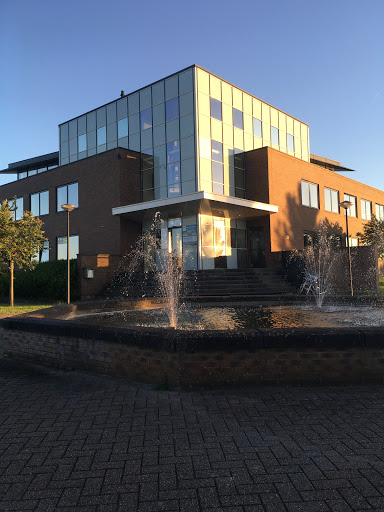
(349, 254)
(68, 268)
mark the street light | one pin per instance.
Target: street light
(68, 208)
(346, 205)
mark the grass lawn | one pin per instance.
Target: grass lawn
(21, 308)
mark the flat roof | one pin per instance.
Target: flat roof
(23, 165)
(176, 73)
(332, 165)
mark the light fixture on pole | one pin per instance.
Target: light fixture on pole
(346, 205)
(68, 208)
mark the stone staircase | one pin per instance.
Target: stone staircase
(205, 283)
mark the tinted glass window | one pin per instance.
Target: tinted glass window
(274, 135)
(173, 151)
(44, 202)
(257, 130)
(216, 110)
(146, 119)
(102, 136)
(122, 127)
(217, 151)
(237, 118)
(82, 142)
(73, 196)
(172, 109)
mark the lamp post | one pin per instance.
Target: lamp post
(346, 205)
(68, 208)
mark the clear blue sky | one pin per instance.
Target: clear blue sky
(320, 61)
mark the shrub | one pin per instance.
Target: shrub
(46, 281)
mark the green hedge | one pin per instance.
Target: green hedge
(46, 281)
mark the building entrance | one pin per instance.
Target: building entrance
(257, 247)
(175, 247)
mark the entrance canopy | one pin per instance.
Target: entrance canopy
(198, 202)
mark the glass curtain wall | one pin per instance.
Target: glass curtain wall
(157, 121)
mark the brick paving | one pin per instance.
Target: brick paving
(90, 443)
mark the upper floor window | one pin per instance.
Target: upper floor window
(257, 128)
(216, 110)
(82, 142)
(43, 254)
(146, 119)
(237, 118)
(67, 194)
(172, 109)
(379, 211)
(309, 194)
(274, 135)
(290, 142)
(366, 209)
(40, 203)
(351, 212)
(331, 200)
(16, 207)
(101, 135)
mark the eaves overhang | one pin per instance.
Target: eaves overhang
(199, 202)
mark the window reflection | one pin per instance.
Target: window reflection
(146, 119)
(101, 135)
(122, 128)
(257, 127)
(216, 111)
(173, 151)
(172, 109)
(82, 142)
(274, 135)
(237, 118)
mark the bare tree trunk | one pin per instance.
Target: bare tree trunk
(11, 293)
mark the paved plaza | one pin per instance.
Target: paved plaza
(72, 441)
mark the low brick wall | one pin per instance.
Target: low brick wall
(201, 358)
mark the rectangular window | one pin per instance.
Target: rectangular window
(101, 135)
(146, 119)
(173, 152)
(22, 175)
(217, 151)
(290, 142)
(82, 142)
(62, 247)
(173, 179)
(122, 128)
(331, 200)
(366, 209)
(216, 110)
(237, 118)
(40, 203)
(379, 211)
(352, 212)
(274, 135)
(67, 194)
(16, 208)
(309, 194)
(43, 255)
(257, 128)
(172, 109)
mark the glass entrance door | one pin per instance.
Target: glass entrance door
(220, 243)
(175, 244)
(257, 247)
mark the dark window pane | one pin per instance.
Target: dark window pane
(61, 197)
(91, 121)
(216, 109)
(101, 117)
(238, 159)
(172, 109)
(82, 125)
(147, 160)
(173, 173)
(237, 118)
(146, 119)
(122, 110)
(217, 151)
(239, 178)
(111, 113)
(73, 129)
(111, 132)
(147, 177)
(173, 151)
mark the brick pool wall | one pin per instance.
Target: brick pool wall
(193, 359)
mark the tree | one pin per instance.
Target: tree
(20, 241)
(374, 234)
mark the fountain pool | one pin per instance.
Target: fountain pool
(234, 316)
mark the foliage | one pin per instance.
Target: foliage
(374, 234)
(47, 281)
(20, 240)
